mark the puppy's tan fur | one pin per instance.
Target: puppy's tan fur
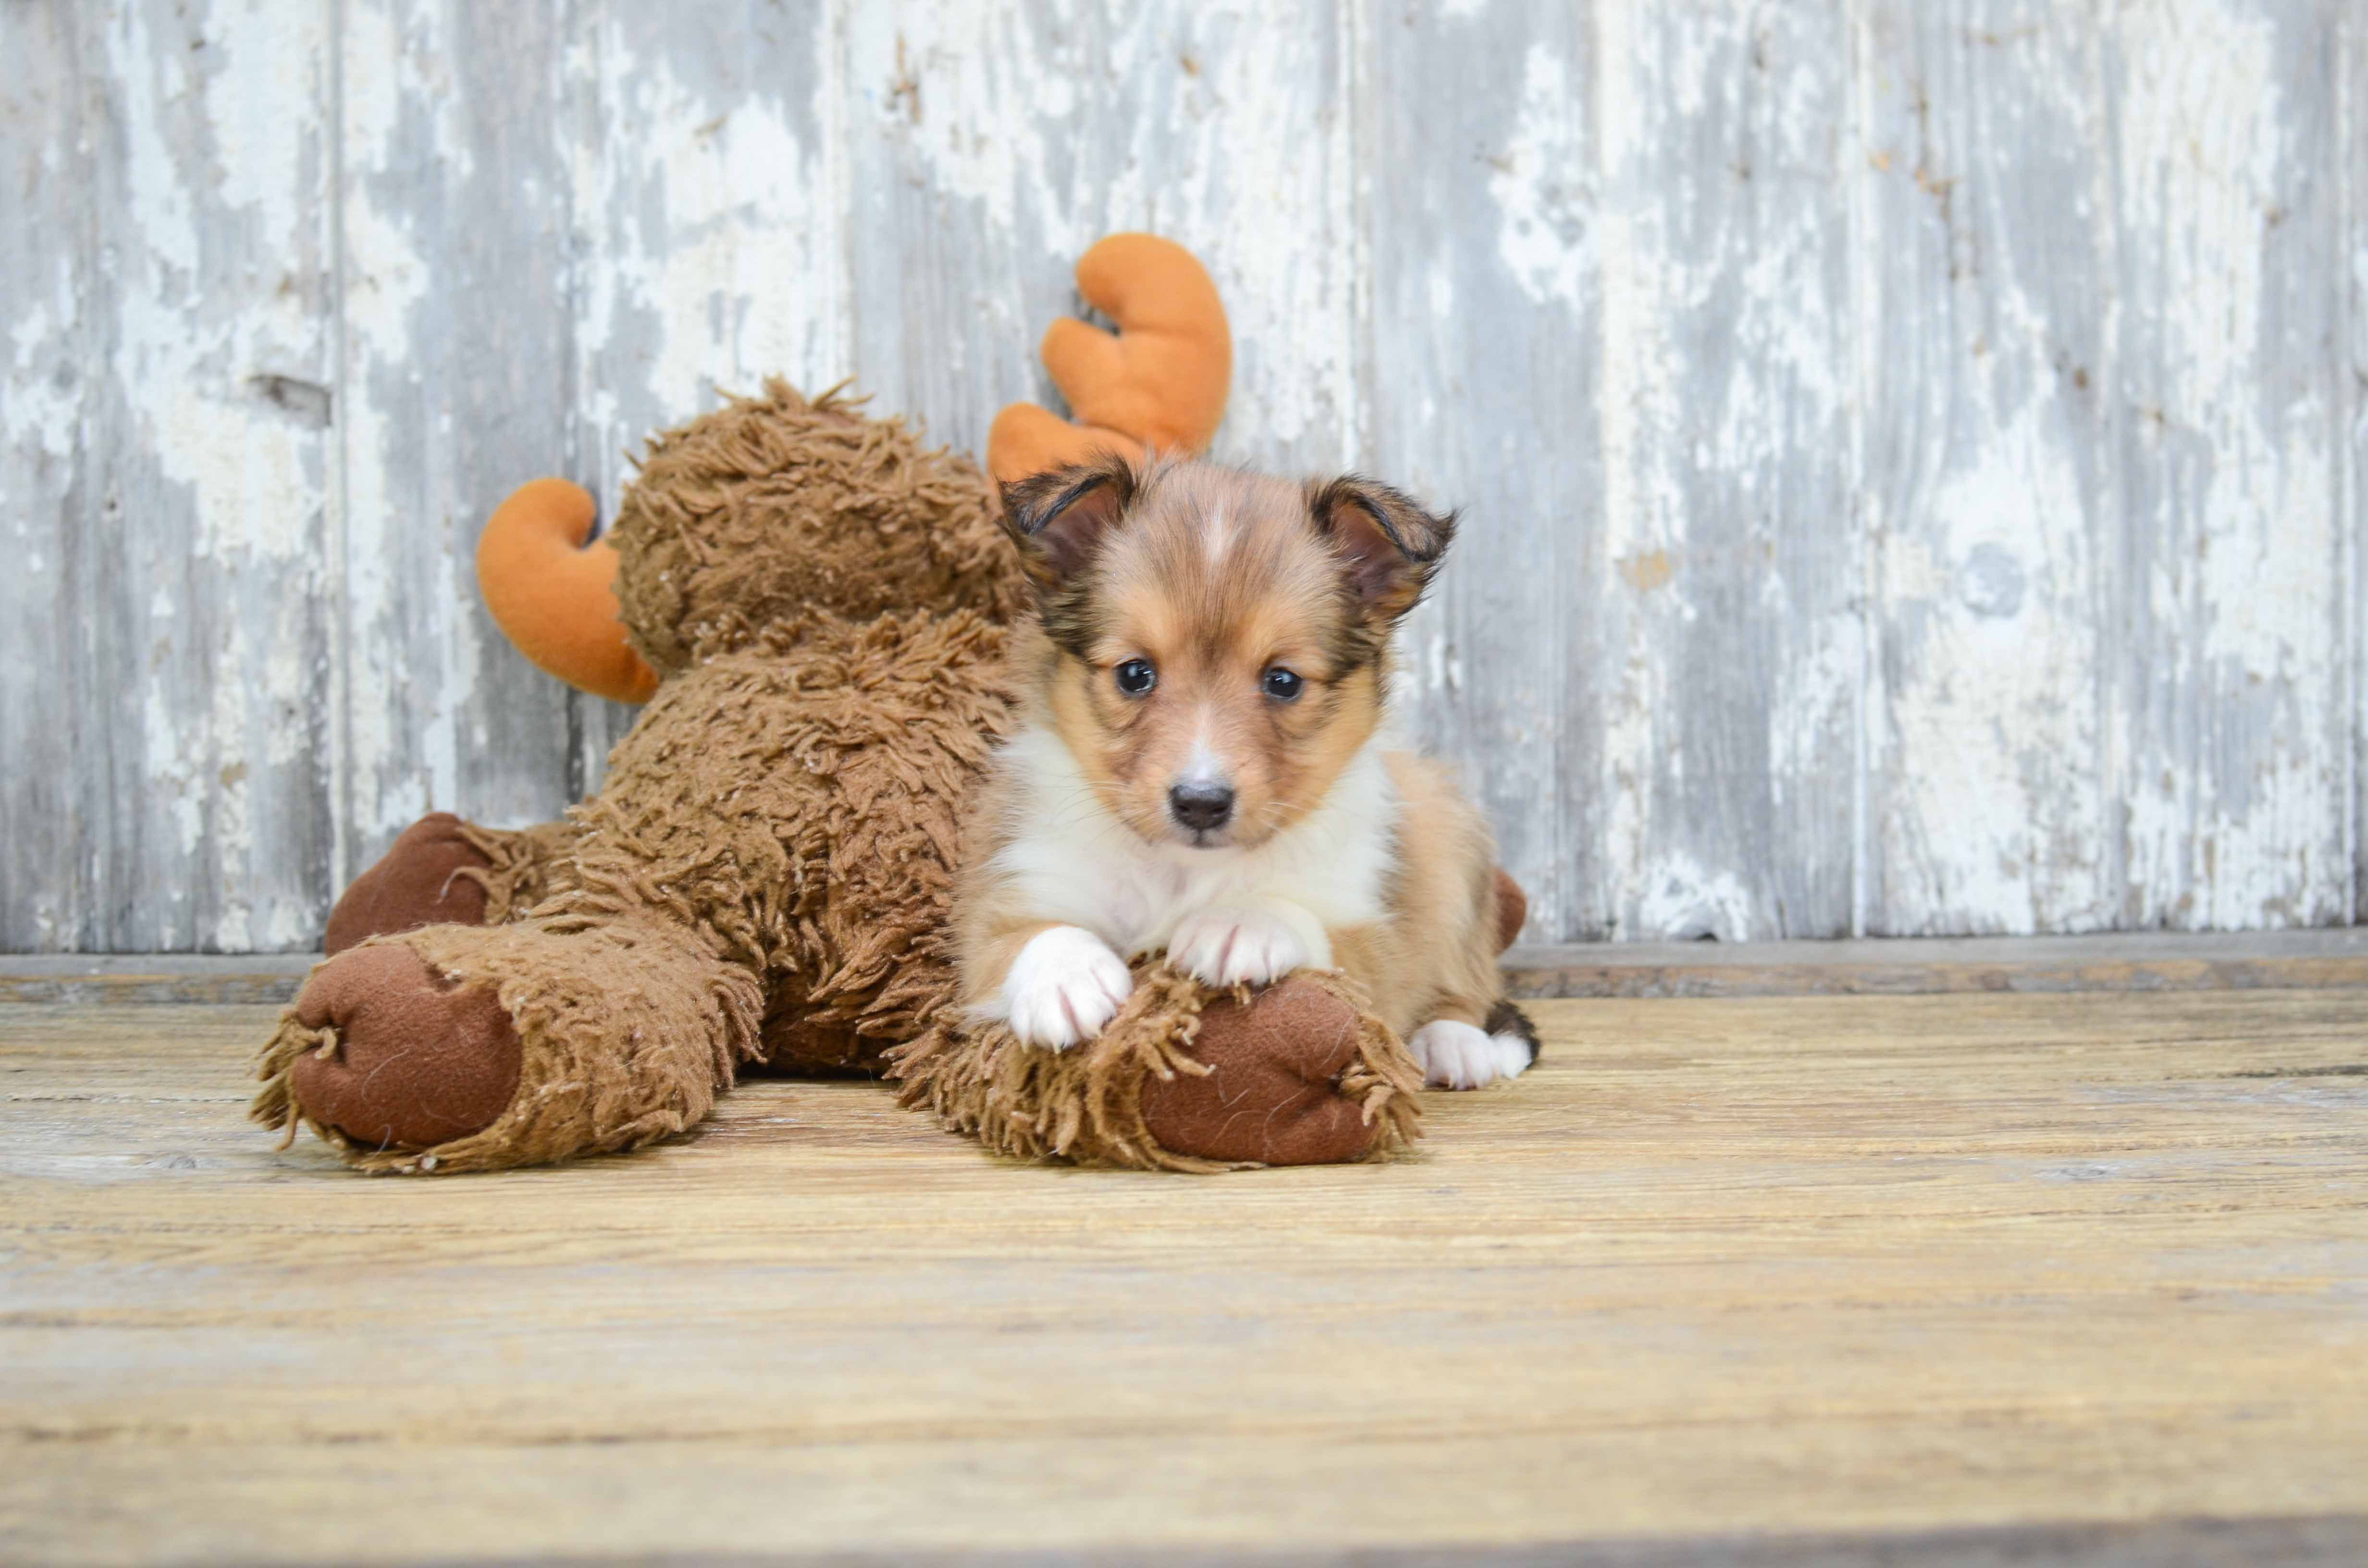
(1214, 578)
(1435, 956)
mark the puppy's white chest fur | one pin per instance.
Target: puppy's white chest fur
(1075, 862)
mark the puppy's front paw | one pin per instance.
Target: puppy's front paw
(1247, 945)
(1460, 1056)
(1065, 985)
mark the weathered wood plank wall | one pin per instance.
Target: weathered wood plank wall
(1912, 453)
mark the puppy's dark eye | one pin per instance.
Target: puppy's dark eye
(1282, 685)
(1136, 676)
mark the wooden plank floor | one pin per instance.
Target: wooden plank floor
(1780, 1279)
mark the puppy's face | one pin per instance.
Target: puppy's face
(1218, 640)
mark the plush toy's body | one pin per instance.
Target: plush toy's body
(816, 608)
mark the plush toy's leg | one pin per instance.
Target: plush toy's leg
(444, 871)
(455, 1048)
(1183, 1079)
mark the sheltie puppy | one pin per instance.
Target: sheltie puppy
(1205, 764)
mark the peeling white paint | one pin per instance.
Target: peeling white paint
(1723, 723)
(710, 243)
(38, 414)
(388, 777)
(261, 59)
(2247, 832)
(1988, 745)
(1814, 699)
(1539, 179)
(2108, 677)
(988, 97)
(224, 488)
(728, 283)
(1679, 899)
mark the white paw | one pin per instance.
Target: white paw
(1065, 985)
(1245, 946)
(1459, 1056)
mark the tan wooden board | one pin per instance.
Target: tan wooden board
(1823, 1269)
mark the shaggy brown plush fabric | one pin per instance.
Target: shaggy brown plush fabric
(1087, 1105)
(518, 861)
(796, 802)
(756, 518)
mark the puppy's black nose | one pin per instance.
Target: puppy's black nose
(1200, 806)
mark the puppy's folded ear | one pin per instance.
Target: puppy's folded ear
(1059, 520)
(1387, 544)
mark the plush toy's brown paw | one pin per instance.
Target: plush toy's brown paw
(1183, 1079)
(420, 880)
(1273, 1095)
(414, 1062)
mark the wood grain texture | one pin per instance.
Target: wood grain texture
(1985, 299)
(455, 385)
(46, 835)
(1487, 322)
(1726, 627)
(1822, 1269)
(2230, 613)
(170, 316)
(1910, 454)
(2352, 405)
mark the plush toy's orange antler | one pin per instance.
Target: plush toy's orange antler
(1160, 382)
(551, 592)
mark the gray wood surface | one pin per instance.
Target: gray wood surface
(1910, 453)
(1486, 316)
(172, 606)
(2314, 959)
(458, 279)
(2351, 410)
(1992, 527)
